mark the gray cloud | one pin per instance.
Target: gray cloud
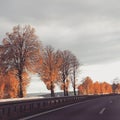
(89, 28)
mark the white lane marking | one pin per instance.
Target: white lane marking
(102, 110)
(49, 111)
(66, 106)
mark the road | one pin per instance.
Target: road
(104, 108)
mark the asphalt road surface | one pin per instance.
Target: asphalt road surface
(104, 108)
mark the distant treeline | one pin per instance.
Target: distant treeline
(89, 87)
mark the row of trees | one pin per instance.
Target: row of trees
(59, 67)
(22, 53)
(89, 87)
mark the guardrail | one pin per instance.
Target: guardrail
(15, 109)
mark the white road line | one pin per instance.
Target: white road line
(36, 115)
(66, 106)
(102, 110)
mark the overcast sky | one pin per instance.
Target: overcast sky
(89, 28)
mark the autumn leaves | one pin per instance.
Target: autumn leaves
(58, 68)
(88, 87)
(21, 54)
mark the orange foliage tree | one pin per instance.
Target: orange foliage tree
(20, 51)
(106, 88)
(88, 87)
(96, 88)
(81, 90)
(9, 85)
(50, 68)
(2, 86)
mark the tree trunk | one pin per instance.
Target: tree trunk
(64, 88)
(52, 90)
(74, 90)
(67, 92)
(20, 94)
(74, 84)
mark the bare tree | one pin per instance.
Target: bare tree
(66, 68)
(20, 51)
(75, 65)
(49, 70)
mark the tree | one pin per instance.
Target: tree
(97, 88)
(86, 87)
(81, 90)
(106, 88)
(75, 66)
(115, 85)
(117, 90)
(66, 68)
(65, 86)
(11, 85)
(20, 51)
(50, 68)
(2, 86)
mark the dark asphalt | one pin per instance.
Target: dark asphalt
(104, 108)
